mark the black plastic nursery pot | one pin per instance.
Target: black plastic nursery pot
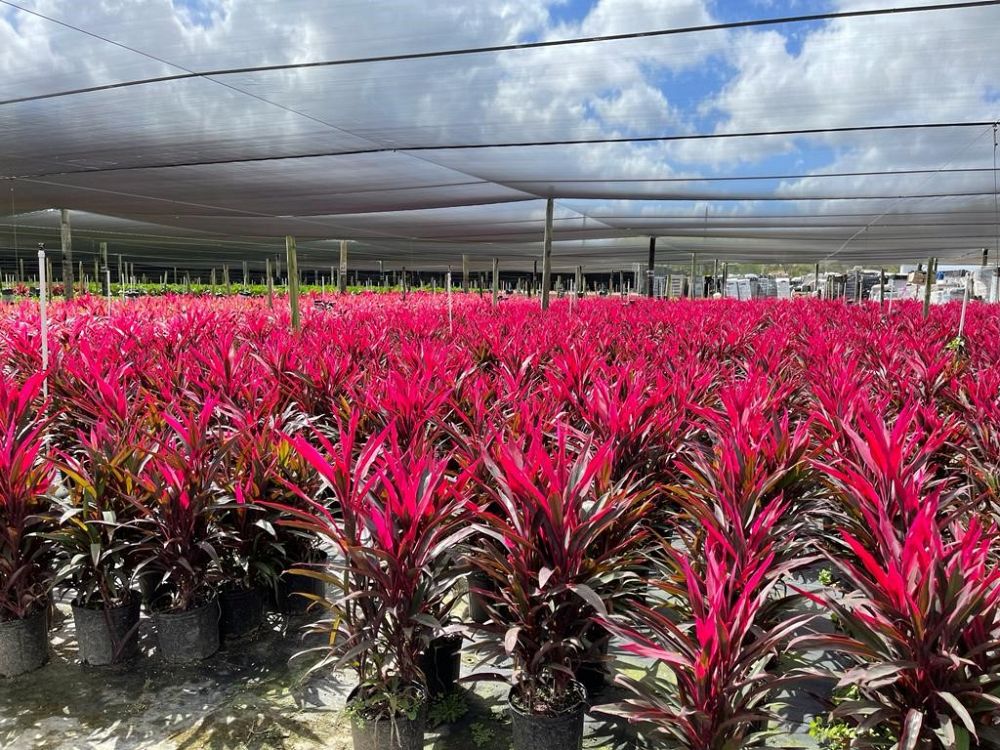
(242, 612)
(441, 664)
(107, 635)
(191, 635)
(398, 733)
(287, 595)
(593, 673)
(478, 611)
(24, 644)
(563, 731)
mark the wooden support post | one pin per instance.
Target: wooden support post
(269, 282)
(293, 280)
(67, 253)
(496, 282)
(651, 267)
(547, 253)
(342, 279)
(927, 286)
(694, 270)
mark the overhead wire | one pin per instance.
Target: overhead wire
(488, 49)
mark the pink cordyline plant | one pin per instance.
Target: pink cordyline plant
(713, 640)
(25, 478)
(177, 502)
(393, 517)
(924, 616)
(559, 540)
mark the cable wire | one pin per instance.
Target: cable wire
(496, 48)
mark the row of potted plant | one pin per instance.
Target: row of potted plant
(566, 477)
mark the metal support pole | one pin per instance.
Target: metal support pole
(547, 253)
(465, 273)
(293, 280)
(816, 282)
(881, 287)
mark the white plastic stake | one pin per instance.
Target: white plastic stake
(43, 318)
(965, 304)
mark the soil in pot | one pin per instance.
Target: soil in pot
(188, 636)
(24, 644)
(242, 612)
(441, 664)
(559, 729)
(107, 635)
(399, 733)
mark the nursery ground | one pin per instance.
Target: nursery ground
(250, 695)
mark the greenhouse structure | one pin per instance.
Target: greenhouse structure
(563, 374)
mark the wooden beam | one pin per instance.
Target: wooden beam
(270, 283)
(293, 280)
(342, 278)
(496, 282)
(67, 253)
(547, 253)
(927, 286)
(694, 270)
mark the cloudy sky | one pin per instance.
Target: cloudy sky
(103, 152)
